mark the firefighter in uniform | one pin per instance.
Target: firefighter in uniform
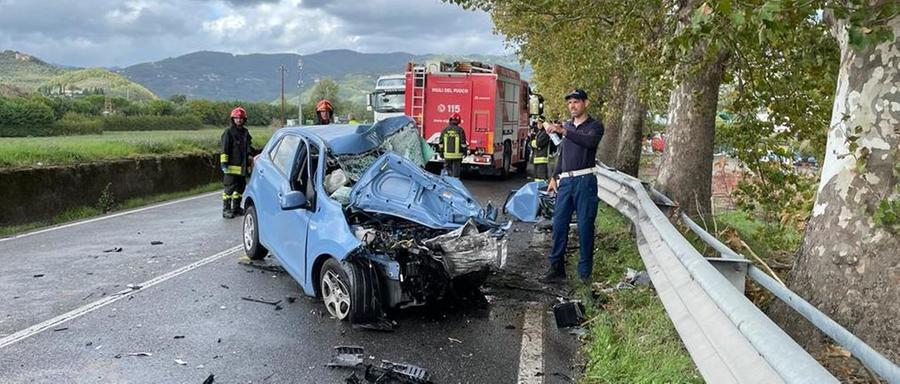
(235, 161)
(324, 112)
(540, 148)
(453, 145)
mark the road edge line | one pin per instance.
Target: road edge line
(95, 219)
(531, 356)
(90, 307)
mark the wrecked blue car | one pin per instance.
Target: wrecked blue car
(351, 214)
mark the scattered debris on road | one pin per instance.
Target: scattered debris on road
(180, 362)
(133, 287)
(224, 286)
(454, 340)
(637, 278)
(60, 329)
(210, 380)
(116, 249)
(140, 354)
(346, 356)
(39, 275)
(568, 313)
(263, 267)
(156, 242)
(261, 301)
(178, 337)
(351, 357)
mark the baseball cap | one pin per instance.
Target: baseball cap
(578, 94)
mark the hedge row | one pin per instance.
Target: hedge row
(75, 124)
(151, 123)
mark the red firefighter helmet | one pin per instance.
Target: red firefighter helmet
(456, 117)
(239, 112)
(324, 105)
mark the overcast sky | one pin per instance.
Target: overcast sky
(120, 33)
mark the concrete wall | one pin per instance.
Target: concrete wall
(31, 195)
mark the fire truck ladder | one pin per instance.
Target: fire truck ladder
(418, 96)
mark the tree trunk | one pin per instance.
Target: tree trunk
(628, 157)
(849, 266)
(612, 121)
(685, 174)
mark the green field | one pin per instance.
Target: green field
(66, 150)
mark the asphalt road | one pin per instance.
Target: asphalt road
(82, 303)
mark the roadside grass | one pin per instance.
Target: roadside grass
(20, 152)
(630, 338)
(87, 211)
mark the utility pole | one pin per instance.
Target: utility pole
(281, 69)
(300, 91)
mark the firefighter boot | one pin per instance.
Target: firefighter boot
(227, 212)
(236, 207)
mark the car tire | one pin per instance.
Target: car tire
(336, 290)
(252, 247)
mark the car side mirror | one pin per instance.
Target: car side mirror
(294, 200)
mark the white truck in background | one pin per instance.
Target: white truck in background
(388, 100)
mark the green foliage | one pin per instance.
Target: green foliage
(91, 79)
(151, 123)
(77, 124)
(24, 117)
(160, 108)
(887, 214)
(24, 71)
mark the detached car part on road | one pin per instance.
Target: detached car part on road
(351, 214)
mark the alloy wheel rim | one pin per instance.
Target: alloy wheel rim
(336, 295)
(248, 232)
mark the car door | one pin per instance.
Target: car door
(291, 226)
(273, 174)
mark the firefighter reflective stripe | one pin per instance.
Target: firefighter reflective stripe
(534, 143)
(541, 160)
(225, 196)
(233, 170)
(235, 195)
(223, 158)
(539, 180)
(452, 149)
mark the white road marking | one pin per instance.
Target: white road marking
(75, 313)
(531, 357)
(129, 212)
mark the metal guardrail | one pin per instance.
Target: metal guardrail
(727, 336)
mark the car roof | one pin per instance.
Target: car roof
(345, 139)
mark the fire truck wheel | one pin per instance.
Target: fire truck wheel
(507, 158)
(522, 166)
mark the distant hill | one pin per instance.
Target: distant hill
(24, 71)
(255, 77)
(112, 84)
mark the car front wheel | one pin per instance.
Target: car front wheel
(252, 247)
(335, 288)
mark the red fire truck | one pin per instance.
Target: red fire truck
(493, 103)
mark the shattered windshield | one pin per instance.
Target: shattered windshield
(389, 101)
(406, 142)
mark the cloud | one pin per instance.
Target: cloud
(120, 33)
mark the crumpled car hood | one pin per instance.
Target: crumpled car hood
(396, 186)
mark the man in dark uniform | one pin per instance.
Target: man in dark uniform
(235, 160)
(453, 145)
(576, 187)
(540, 148)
